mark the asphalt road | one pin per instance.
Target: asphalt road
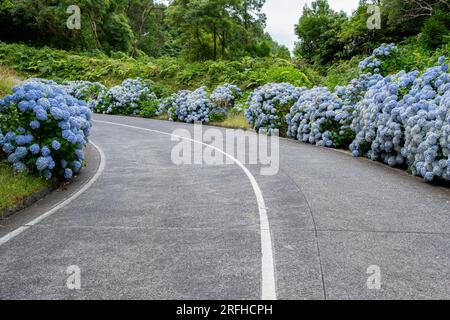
(149, 229)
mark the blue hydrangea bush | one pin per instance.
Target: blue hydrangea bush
(355, 91)
(191, 106)
(44, 129)
(225, 96)
(374, 63)
(132, 97)
(319, 117)
(401, 119)
(91, 92)
(269, 104)
(164, 105)
(404, 120)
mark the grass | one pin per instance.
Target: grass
(161, 117)
(233, 122)
(8, 79)
(15, 187)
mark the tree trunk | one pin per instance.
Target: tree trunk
(197, 34)
(215, 42)
(246, 15)
(246, 22)
(94, 32)
(223, 45)
(145, 13)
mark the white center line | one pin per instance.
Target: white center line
(268, 287)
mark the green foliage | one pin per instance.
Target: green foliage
(342, 73)
(341, 138)
(287, 74)
(149, 108)
(355, 36)
(207, 30)
(169, 74)
(435, 30)
(197, 30)
(317, 30)
(15, 187)
(62, 65)
(218, 115)
(191, 72)
(277, 73)
(326, 36)
(410, 56)
(413, 56)
(119, 34)
(104, 24)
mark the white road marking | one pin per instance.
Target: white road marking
(61, 205)
(268, 287)
(12, 234)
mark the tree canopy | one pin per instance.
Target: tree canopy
(198, 29)
(326, 35)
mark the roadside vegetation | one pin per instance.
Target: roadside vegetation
(381, 93)
(14, 186)
(8, 79)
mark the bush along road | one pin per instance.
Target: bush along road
(340, 228)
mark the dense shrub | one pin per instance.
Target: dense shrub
(277, 74)
(225, 96)
(410, 56)
(132, 97)
(218, 114)
(191, 106)
(319, 117)
(401, 119)
(63, 65)
(374, 63)
(357, 88)
(372, 116)
(404, 119)
(44, 129)
(85, 90)
(269, 104)
(340, 74)
(172, 74)
(323, 118)
(435, 30)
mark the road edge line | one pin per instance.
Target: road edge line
(268, 286)
(11, 235)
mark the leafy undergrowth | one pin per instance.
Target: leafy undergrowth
(170, 74)
(15, 187)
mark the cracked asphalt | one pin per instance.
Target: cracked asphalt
(148, 229)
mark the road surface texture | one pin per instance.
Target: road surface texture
(149, 229)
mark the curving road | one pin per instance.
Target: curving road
(148, 229)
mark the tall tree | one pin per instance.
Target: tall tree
(205, 26)
(104, 25)
(317, 31)
(147, 21)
